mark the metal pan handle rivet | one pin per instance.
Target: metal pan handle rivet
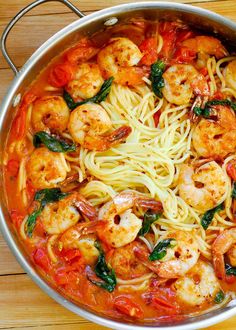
(111, 21)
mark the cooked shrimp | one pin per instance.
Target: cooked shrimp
(121, 225)
(178, 260)
(118, 59)
(50, 113)
(45, 168)
(223, 243)
(203, 188)
(89, 124)
(207, 45)
(182, 81)
(87, 81)
(74, 238)
(216, 139)
(230, 74)
(59, 216)
(198, 286)
(124, 262)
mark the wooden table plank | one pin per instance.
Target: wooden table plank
(21, 51)
(22, 304)
(12, 7)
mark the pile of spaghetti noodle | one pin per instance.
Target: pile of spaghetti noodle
(149, 162)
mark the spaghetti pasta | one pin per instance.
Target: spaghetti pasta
(139, 174)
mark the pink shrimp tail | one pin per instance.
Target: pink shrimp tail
(119, 134)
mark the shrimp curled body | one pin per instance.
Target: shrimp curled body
(212, 185)
(87, 81)
(59, 216)
(216, 139)
(89, 124)
(178, 260)
(198, 286)
(118, 59)
(46, 169)
(223, 244)
(181, 82)
(50, 114)
(118, 235)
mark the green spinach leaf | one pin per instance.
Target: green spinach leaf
(209, 215)
(220, 296)
(156, 78)
(206, 111)
(101, 95)
(52, 143)
(160, 250)
(230, 270)
(149, 218)
(44, 197)
(104, 272)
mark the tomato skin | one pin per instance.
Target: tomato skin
(60, 74)
(16, 218)
(169, 35)
(149, 48)
(156, 117)
(184, 55)
(71, 255)
(231, 170)
(13, 167)
(18, 125)
(204, 71)
(81, 52)
(126, 306)
(230, 279)
(41, 259)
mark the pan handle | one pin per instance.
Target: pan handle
(16, 19)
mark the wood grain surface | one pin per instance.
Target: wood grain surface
(22, 304)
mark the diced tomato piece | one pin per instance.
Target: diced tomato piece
(60, 74)
(41, 259)
(161, 303)
(204, 71)
(168, 31)
(184, 55)
(218, 95)
(149, 48)
(19, 122)
(70, 255)
(13, 167)
(30, 190)
(81, 52)
(126, 306)
(62, 277)
(156, 117)
(184, 34)
(231, 169)
(16, 218)
(230, 279)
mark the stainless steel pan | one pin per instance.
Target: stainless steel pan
(87, 25)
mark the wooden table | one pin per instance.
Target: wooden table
(22, 304)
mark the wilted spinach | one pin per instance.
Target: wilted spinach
(44, 197)
(160, 250)
(103, 271)
(208, 216)
(99, 97)
(156, 78)
(52, 143)
(149, 218)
